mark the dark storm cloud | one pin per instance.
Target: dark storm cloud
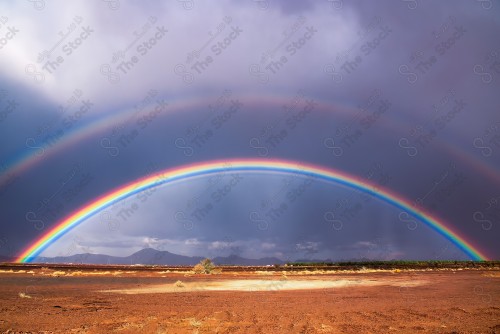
(390, 74)
(295, 7)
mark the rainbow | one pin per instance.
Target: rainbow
(243, 165)
(101, 126)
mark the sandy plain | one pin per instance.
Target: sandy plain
(45, 300)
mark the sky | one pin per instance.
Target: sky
(403, 94)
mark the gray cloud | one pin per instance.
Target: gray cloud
(406, 102)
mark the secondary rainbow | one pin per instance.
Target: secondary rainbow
(237, 165)
(103, 128)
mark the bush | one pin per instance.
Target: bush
(179, 284)
(198, 269)
(206, 266)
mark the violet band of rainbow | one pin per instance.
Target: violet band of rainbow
(42, 149)
(251, 165)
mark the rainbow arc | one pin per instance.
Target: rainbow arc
(251, 165)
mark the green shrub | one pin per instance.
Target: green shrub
(206, 266)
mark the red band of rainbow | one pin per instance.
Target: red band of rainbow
(235, 165)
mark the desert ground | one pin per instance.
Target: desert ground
(127, 300)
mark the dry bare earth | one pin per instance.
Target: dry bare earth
(45, 301)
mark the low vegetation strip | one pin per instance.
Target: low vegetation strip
(292, 266)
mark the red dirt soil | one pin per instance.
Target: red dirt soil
(451, 301)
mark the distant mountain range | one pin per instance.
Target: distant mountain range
(150, 256)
